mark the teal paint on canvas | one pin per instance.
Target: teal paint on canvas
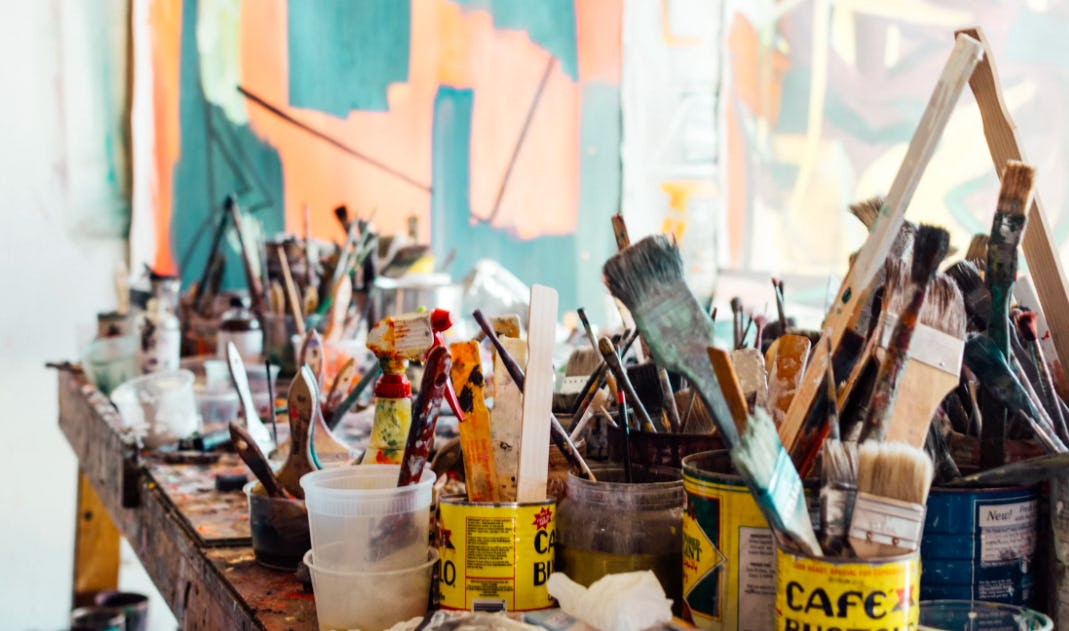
(547, 260)
(344, 54)
(218, 157)
(549, 23)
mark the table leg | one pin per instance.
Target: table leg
(96, 546)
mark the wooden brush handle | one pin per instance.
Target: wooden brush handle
(619, 230)
(291, 290)
(256, 290)
(729, 385)
(256, 461)
(608, 353)
(855, 287)
(510, 364)
(425, 416)
(1040, 250)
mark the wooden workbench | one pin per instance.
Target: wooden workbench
(206, 587)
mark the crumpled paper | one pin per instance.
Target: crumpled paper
(632, 601)
(464, 621)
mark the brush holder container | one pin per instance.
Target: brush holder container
(279, 331)
(613, 526)
(279, 527)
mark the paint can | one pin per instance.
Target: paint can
(980, 544)
(495, 556)
(728, 549)
(837, 593)
(965, 615)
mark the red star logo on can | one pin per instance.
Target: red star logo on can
(542, 518)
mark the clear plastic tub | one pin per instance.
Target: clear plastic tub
(360, 520)
(110, 361)
(160, 406)
(371, 601)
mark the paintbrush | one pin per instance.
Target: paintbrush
(1026, 326)
(729, 385)
(291, 290)
(350, 400)
(251, 278)
(977, 252)
(1026, 472)
(476, 440)
(1007, 228)
(271, 400)
(999, 382)
(736, 322)
(425, 415)
(621, 402)
(856, 286)
(341, 213)
(929, 248)
(648, 278)
(240, 379)
(213, 251)
(597, 379)
(893, 480)
(785, 361)
(838, 476)
(608, 353)
(256, 461)
(975, 293)
(559, 436)
(765, 466)
(301, 406)
(946, 470)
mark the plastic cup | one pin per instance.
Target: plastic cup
(160, 406)
(360, 520)
(371, 601)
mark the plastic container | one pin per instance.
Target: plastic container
(133, 606)
(612, 526)
(360, 520)
(279, 528)
(108, 362)
(964, 615)
(240, 326)
(160, 406)
(371, 601)
(213, 379)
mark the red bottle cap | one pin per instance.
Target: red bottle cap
(441, 320)
(393, 387)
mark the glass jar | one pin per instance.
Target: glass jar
(612, 526)
(241, 327)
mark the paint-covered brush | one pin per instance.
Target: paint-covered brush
(765, 466)
(929, 248)
(255, 460)
(785, 361)
(621, 402)
(558, 434)
(855, 288)
(736, 322)
(302, 407)
(648, 278)
(838, 476)
(1029, 333)
(1007, 228)
(240, 379)
(729, 385)
(1001, 385)
(977, 251)
(938, 448)
(425, 416)
(893, 480)
(975, 293)
(476, 439)
(597, 379)
(608, 352)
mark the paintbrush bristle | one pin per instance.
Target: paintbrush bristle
(1027, 326)
(894, 470)
(647, 266)
(977, 296)
(582, 361)
(866, 210)
(895, 285)
(838, 463)
(1018, 182)
(929, 248)
(977, 252)
(944, 307)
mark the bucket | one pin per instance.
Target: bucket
(856, 594)
(964, 615)
(133, 606)
(728, 550)
(496, 556)
(980, 544)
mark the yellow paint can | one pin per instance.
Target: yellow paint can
(496, 556)
(834, 594)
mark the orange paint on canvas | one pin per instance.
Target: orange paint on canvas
(166, 20)
(598, 25)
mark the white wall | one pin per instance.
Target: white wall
(62, 67)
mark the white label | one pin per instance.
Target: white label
(757, 580)
(1007, 532)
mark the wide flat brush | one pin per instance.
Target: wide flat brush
(1007, 228)
(301, 406)
(648, 278)
(975, 293)
(855, 287)
(838, 476)
(893, 480)
(929, 248)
